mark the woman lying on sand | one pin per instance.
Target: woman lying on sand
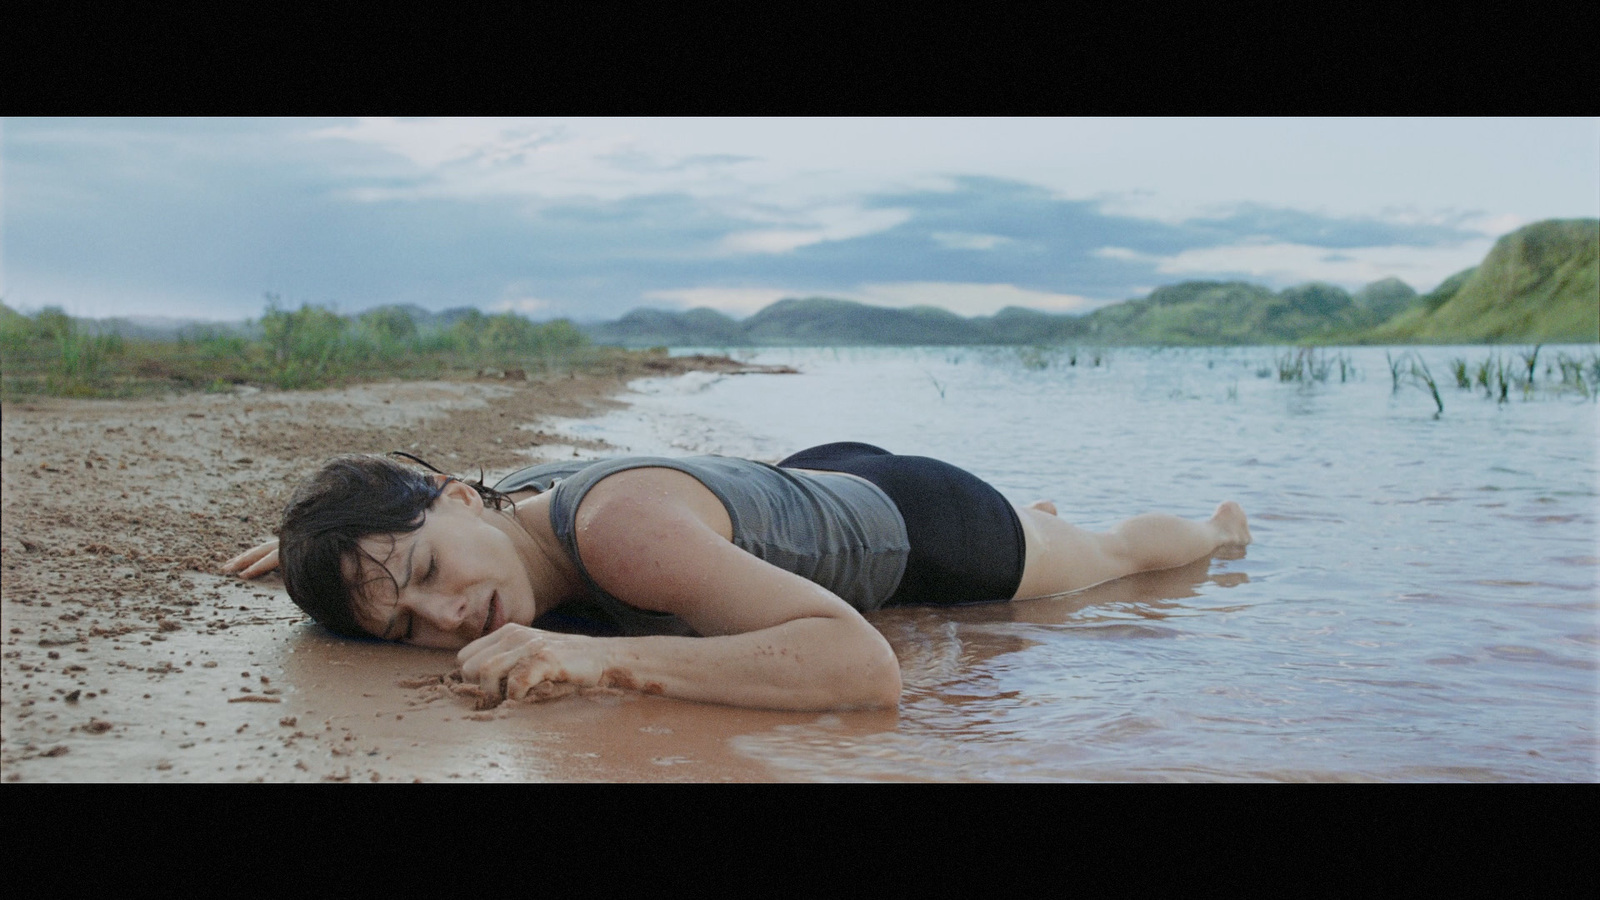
(725, 580)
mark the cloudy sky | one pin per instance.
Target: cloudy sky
(588, 218)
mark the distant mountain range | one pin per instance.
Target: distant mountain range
(1537, 284)
(1540, 283)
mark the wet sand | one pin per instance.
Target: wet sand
(128, 657)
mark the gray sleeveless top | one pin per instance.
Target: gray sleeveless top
(837, 531)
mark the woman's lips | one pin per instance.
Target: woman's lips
(489, 624)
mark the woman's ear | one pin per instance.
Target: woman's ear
(461, 492)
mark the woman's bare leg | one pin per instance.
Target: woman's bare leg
(1063, 557)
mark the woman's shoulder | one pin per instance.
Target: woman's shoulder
(543, 475)
(579, 476)
(573, 484)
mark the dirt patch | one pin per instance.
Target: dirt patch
(124, 647)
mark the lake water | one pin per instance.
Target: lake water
(1420, 603)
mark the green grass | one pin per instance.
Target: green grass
(1498, 373)
(1422, 378)
(48, 353)
(1306, 364)
(1578, 375)
(1034, 358)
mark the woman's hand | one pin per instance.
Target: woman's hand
(255, 562)
(533, 664)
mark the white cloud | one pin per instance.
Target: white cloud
(1167, 169)
(831, 223)
(429, 143)
(784, 209)
(963, 240)
(1144, 204)
(478, 158)
(773, 241)
(1122, 253)
(735, 301)
(1495, 226)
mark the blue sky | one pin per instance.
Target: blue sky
(588, 218)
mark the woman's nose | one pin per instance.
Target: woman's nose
(443, 611)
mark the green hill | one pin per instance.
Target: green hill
(661, 328)
(816, 321)
(1015, 325)
(819, 320)
(1235, 312)
(1539, 283)
(1382, 300)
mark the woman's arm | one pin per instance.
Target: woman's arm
(807, 664)
(659, 540)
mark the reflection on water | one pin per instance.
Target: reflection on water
(1420, 602)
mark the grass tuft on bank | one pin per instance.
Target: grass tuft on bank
(49, 353)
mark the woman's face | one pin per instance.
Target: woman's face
(446, 584)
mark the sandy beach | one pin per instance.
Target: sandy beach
(128, 657)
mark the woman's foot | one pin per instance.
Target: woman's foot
(1232, 528)
(1044, 506)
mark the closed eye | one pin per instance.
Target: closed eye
(411, 621)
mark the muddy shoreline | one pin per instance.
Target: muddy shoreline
(128, 657)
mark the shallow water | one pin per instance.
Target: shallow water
(1420, 603)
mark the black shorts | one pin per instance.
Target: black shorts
(967, 544)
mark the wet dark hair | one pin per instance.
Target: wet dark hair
(350, 498)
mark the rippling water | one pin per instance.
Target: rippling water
(1421, 601)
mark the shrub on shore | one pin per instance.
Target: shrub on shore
(50, 353)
